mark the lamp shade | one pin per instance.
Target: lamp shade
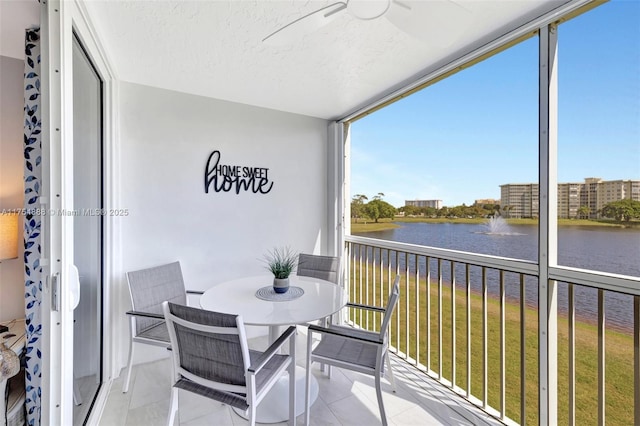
(8, 236)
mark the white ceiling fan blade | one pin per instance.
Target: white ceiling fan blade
(305, 25)
(367, 10)
(440, 22)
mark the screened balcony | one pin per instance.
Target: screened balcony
(467, 347)
(477, 338)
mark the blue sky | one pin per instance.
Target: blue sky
(463, 137)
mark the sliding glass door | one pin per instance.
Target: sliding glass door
(87, 230)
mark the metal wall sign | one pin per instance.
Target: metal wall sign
(226, 178)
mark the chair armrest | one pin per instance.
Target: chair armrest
(271, 350)
(367, 307)
(198, 292)
(343, 333)
(145, 314)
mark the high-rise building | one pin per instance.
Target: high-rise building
(575, 200)
(519, 200)
(569, 200)
(436, 204)
(483, 201)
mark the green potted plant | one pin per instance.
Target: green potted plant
(281, 262)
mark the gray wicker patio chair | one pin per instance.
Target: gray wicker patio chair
(148, 288)
(355, 349)
(211, 358)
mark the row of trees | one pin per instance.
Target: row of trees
(476, 210)
(623, 210)
(376, 208)
(364, 209)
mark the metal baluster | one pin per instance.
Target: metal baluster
(389, 283)
(428, 314)
(359, 311)
(468, 306)
(417, 348)
(571, 317)
(356, 251)
(373, 272)
(453, 324)
(601, 358)
(440, 319)
(366, 289)
(636, 358)
(523, 352)
(485, 346)
(406, 303)
(503, 360)
(398, 309)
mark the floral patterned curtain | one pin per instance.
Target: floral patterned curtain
(32, 223)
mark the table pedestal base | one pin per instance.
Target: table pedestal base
(274, 408)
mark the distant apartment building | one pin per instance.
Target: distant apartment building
(569, 200)
(519, 200)
(486, 201)
(575, 199)
(436, 204)
(597, 193)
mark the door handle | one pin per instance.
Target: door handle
(55, 287)
(74, 287)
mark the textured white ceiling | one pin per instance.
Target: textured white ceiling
(214, 48)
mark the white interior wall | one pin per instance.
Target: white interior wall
(166, 138)
(11, 180)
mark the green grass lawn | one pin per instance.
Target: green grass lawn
(383, 225)
(413, 299)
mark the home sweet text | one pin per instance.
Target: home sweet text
(225, 178)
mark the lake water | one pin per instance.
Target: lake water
(614, 250)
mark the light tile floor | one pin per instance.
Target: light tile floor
(347, 398)
(86, 387)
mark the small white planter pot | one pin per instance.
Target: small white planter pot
(280, 285)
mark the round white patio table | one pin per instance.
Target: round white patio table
(320, 299)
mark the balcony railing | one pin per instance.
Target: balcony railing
(471, 322)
